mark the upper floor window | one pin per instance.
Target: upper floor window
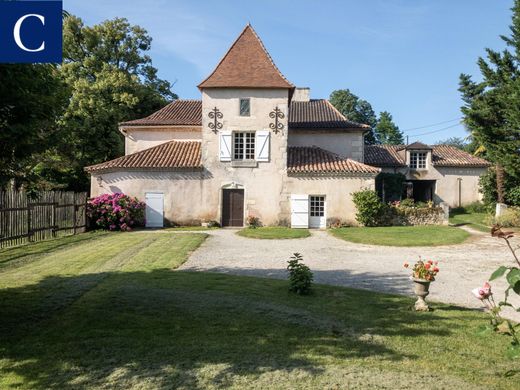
(243, 146)
(245, 107)
(418, 160)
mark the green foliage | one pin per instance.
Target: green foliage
(457, 142)
(408, 202)
(213, 224)
(357, 110)
(509, 218)
(476, 207)
(111, 79)
(370, 209)
(32, 97)
(393, 185)
(300, 276)
(488, 187)
(513, 196)
(492, 107)
(387, 131)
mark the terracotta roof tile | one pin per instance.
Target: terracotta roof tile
(442, 156)
(178, 112)
(303, 159)
(170, 155)
(318, 113)
(247, 64)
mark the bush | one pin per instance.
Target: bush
(300, 276)
(253, 222)
(476, 207)
(408, 202)
(513, 196)
(116, 212)
(213, 224)
(510, 218)
(370, 209)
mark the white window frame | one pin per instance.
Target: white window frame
(418, 160)
(245, 152)
(240, 100)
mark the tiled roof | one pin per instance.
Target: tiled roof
(178, 112)
(247, 64)
(318, 113)
(303, 159)
(450, 156)
(418, 145)
(442, 156)
(313, 114)
(170, 155)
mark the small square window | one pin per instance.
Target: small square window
(418, 160)
(245, 107)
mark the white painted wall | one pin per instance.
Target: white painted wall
(345, 143)
(140, 138)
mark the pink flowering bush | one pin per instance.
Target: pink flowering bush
(116, 212)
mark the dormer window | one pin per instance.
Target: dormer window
(245, 107)
(418, 160)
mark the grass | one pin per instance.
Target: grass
(109, 311)
(274, 233)
(476, 221)
(189, 228)
(402, 235)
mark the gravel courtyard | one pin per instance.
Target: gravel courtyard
(337, 262)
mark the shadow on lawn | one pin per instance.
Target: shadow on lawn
(167, 329)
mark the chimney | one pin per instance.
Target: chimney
(301, 94)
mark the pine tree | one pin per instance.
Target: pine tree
(492, 107)
(387, 131)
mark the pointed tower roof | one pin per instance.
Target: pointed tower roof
(247, 64)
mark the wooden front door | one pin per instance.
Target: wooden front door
(232, 207)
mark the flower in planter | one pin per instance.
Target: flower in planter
(425, 270)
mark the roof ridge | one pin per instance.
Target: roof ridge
(344, 117)
(268, 54)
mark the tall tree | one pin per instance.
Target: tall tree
(32, 98)
(387, 131)
(491, 107)
(356, 110)
(111, 79)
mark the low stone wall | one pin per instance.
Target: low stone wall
(412, 216)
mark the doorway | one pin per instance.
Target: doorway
(233, 207)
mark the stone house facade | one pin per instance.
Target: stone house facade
(254, 145)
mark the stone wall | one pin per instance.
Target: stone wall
(413, 216)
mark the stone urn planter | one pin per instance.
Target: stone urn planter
(421, 289)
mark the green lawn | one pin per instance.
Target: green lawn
(402, 235)
(474, 220)
(189, 228)
(272, 233)
(109, 311)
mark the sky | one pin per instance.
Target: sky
(403, 56)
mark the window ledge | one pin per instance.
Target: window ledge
(244, 163)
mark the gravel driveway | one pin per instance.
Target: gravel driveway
(337, 262)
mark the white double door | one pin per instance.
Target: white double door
(308, 211)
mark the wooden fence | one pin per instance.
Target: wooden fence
(40, 216)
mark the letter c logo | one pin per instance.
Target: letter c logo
(16, 32)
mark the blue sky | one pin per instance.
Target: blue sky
(403, 56)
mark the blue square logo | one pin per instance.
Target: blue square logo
(31, 31)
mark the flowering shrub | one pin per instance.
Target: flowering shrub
(424, 270)
(116, 212)
(512, 274)
(253, 222)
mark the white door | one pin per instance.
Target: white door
(299, 211)
(317, 218)
(154, 209)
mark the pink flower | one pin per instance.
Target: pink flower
(482, 292)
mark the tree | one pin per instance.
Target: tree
(356, 110)
(111, 79)
(491, 107)
(32, 97)
(387, 131)
(457, 142)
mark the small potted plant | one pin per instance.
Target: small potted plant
(423, 273)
